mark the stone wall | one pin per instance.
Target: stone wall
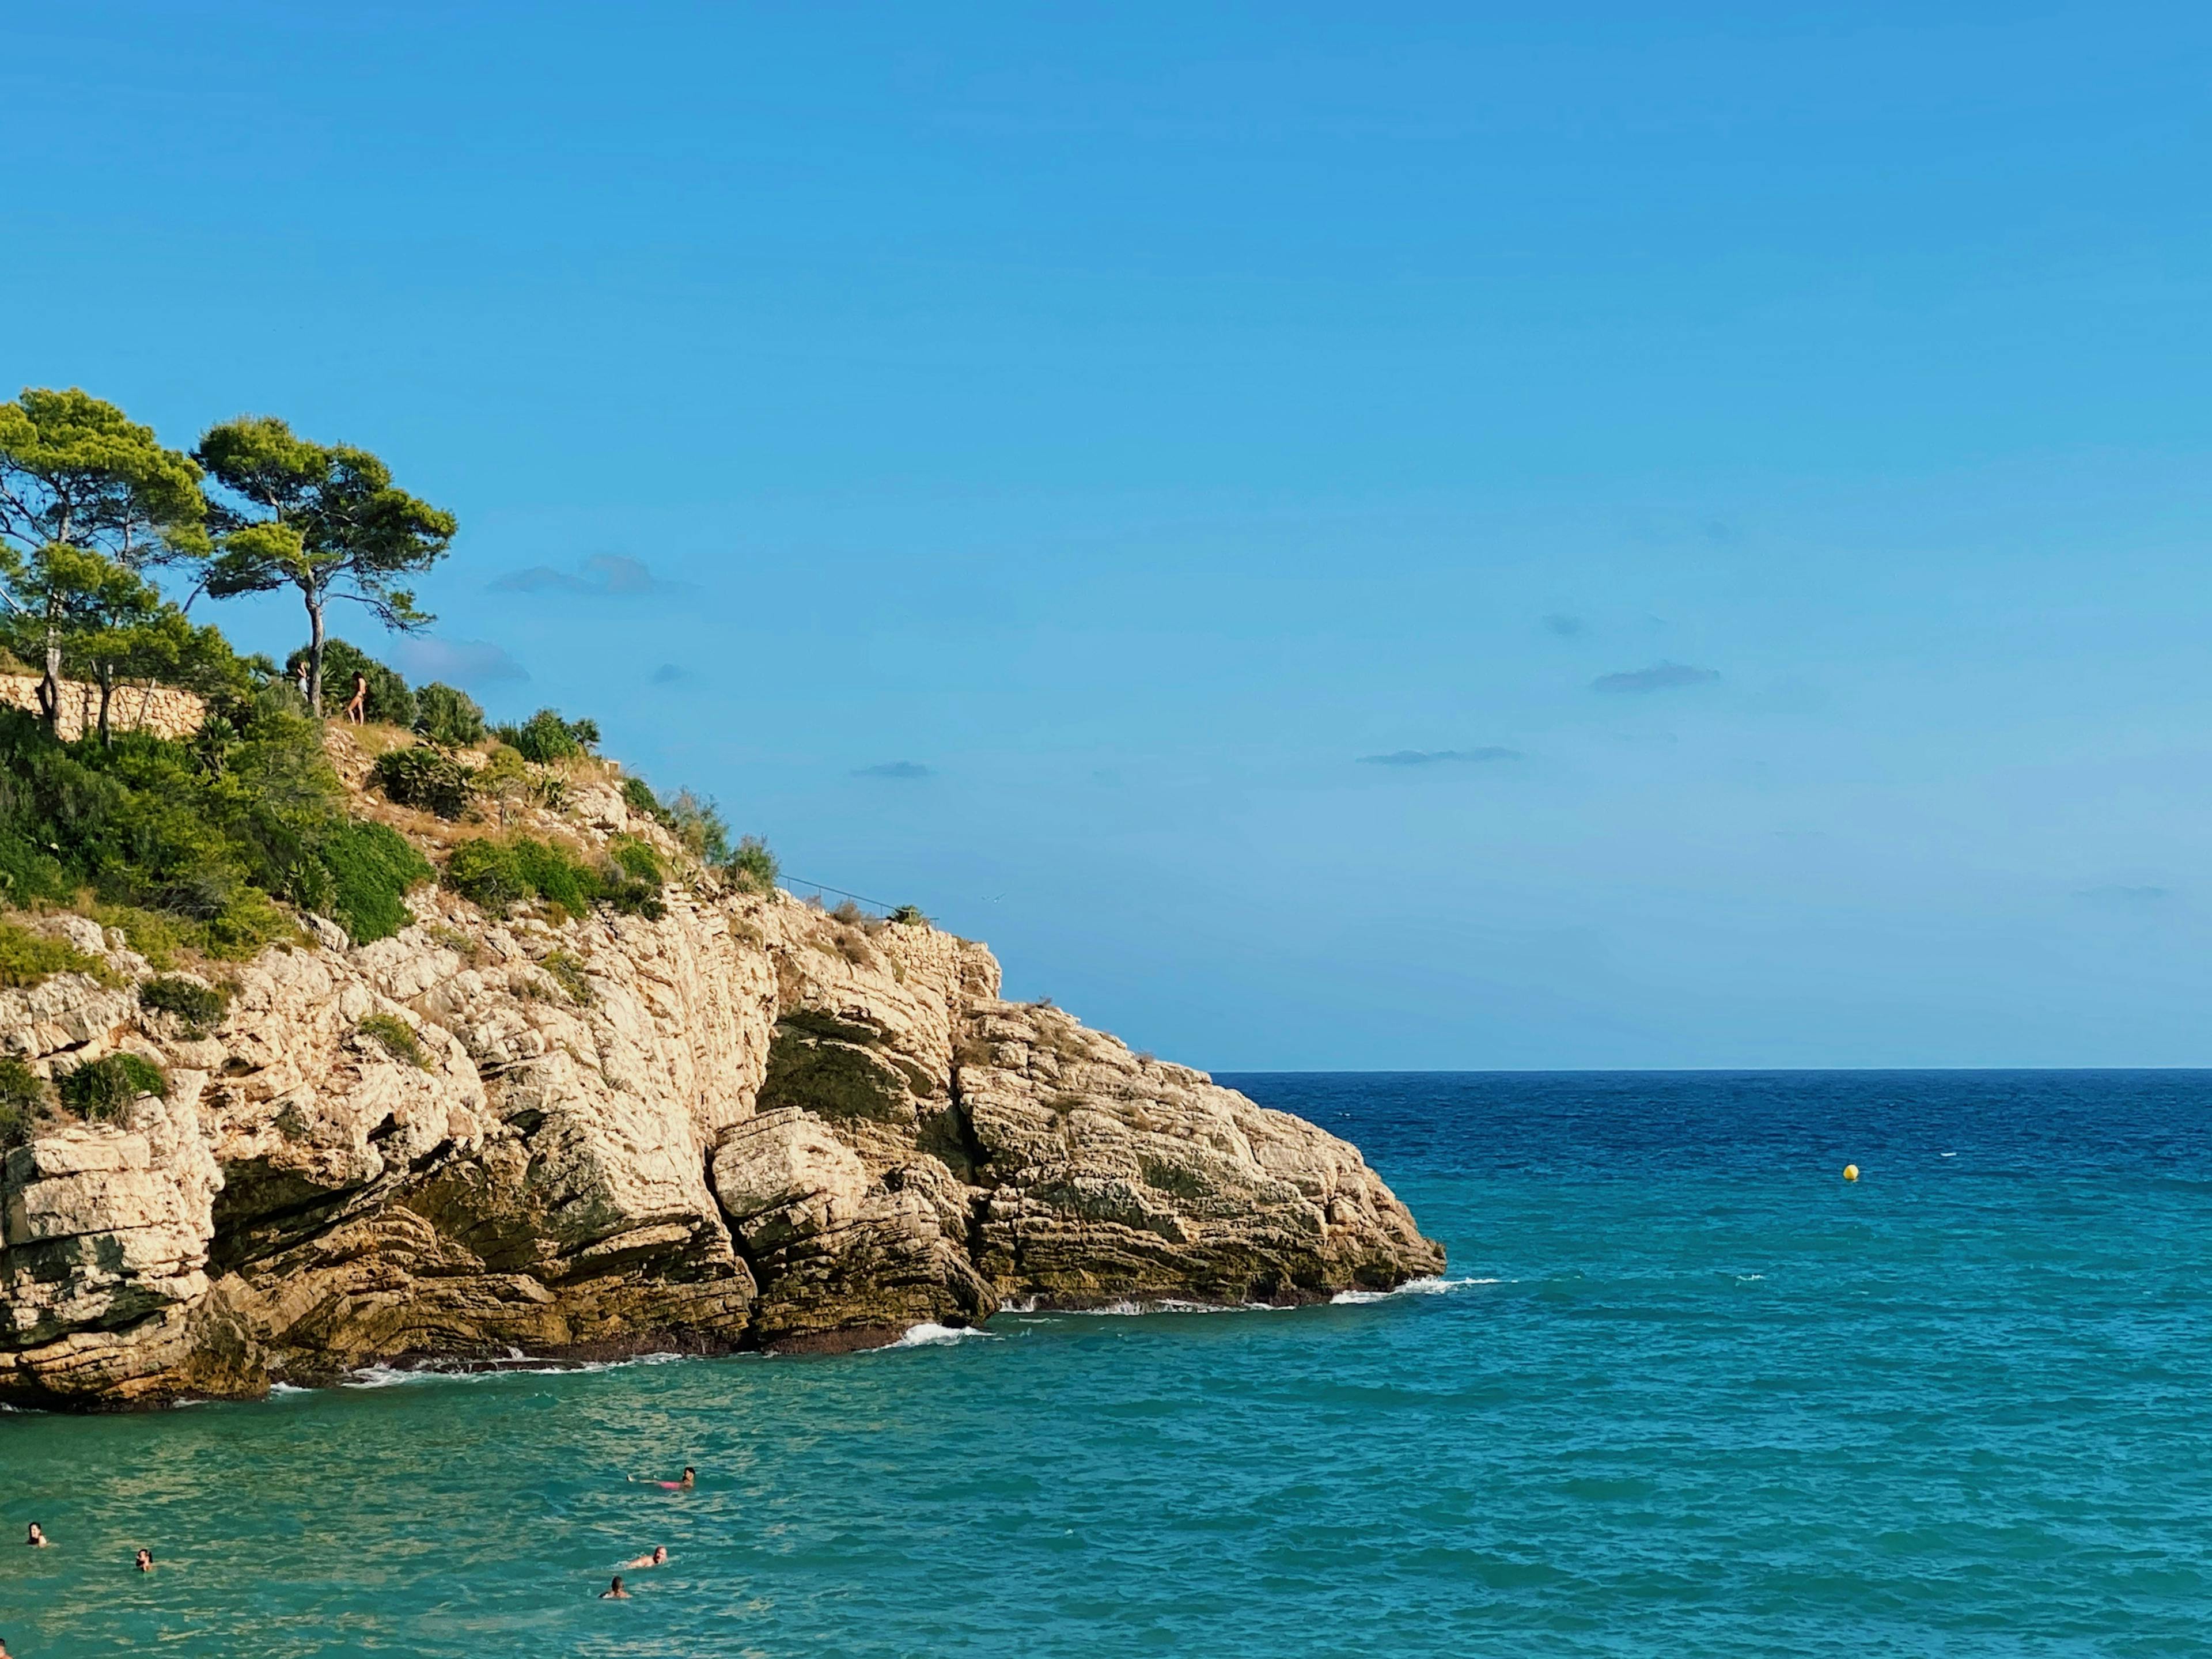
(160, 709)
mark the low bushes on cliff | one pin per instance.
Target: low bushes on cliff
(197, 1005)
(499, 873)
(198, 839)
(422, 777)
(697, 823)
(372, 867)
(397, 1038)
(99, 1090)
(24, 1105)
(26, 958)
(449, 716)
(546, 740)
(752, 866)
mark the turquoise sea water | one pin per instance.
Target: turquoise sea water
(1684, 1393)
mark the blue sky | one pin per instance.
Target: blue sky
(1744, 466)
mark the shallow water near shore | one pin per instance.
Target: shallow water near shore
(1681, 1391)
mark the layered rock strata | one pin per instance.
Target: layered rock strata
(747, 1124)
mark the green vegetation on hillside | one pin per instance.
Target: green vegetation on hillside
(499, 873)
(212, 844)
(190, 844)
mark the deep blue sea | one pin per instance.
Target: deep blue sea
(1681, 1392)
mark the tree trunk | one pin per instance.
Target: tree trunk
(106, 696)
(50, 685)
(315, 655)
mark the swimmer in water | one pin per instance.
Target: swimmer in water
(658, 1557)
(38, 1539)
(613, 1592)
(145, 1562)
(691, 1480)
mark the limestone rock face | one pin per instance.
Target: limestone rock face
(744, 1124)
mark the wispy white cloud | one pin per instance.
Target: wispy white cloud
(1660, 677)
(462, 662)
(1439, 756)
(604, 576)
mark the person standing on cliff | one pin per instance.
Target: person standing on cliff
(357, 707)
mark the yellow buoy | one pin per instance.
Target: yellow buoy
(1851, 1172)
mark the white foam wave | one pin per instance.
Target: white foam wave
(391, 1377)
(928, 1335)
(1431, 1285)
(276, 1388)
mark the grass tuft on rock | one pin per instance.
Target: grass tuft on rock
(566, 968)
(422, 777)
(25, 1104)
(100, 1090)
(197, 1005)
(28, 958)
(397, 1038)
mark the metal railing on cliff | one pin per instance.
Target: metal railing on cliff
(812, 892)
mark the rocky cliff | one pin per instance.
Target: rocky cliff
(745, 1124)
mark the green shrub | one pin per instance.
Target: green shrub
(547, 740)
(636, 860)
(446, 716)
(422, 777)
(250, 921)
(696, 822)
(562, 881)
(157, 937)
(752, 866)
(205, 834)
(23, 1103)
(99, 1090)
(388, 699)
(567, 970)
(487, 875)
(28, 958)
(372, 868)
(908, 916)
(199, 1006)
(397, 1038)
(499, 874)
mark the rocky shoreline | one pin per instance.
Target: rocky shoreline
(744, 1125)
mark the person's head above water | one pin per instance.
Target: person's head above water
(659, 1554)
(690, 1474)
(36, 1535)
(609, 1592)
(145, 1560)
